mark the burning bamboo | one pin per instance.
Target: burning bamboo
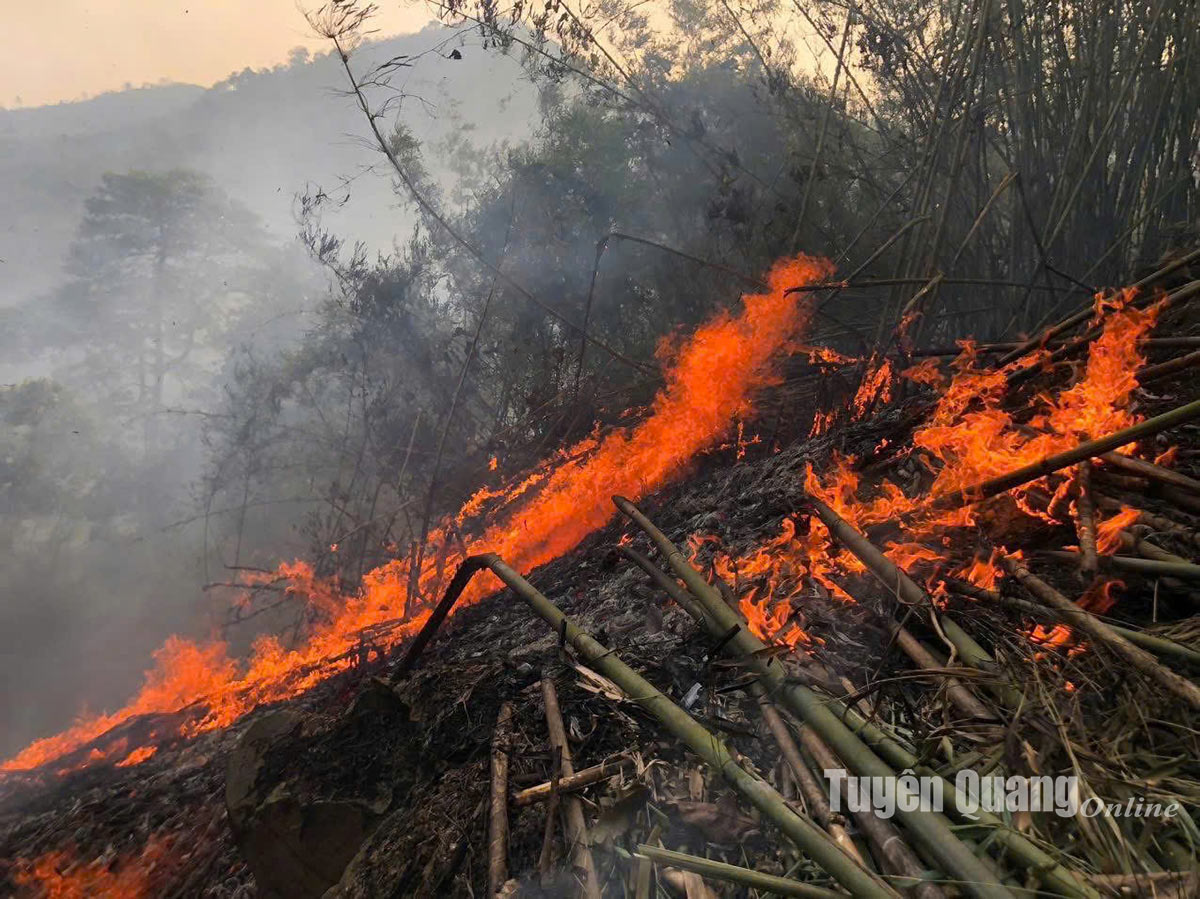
(1084, 314)
(910, 594)
(802, 831)
(931, 830)
(1157, 645)
(1089, 564)
(1102, 634)
(1018, 376)
(1158, 523)
(1149, 470)
(582, 778)
(1074, 456)
(574, 824)
(498, 820)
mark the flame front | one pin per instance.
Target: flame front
(709, 383)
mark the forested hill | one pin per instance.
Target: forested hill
(263, 136)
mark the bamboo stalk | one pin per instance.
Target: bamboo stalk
(1170, 367)
(1144, 469)
(888, 845)
(1158, 523)
(1101, 633)
(585, 777)
(929, 828)
(1160, 646)
(1084, 314)
(814, 796)
(666, 583)
(755, 880)
(574, 823)
(800, 830)
(1089, 565)
(1186, 292)
(498, 821)
(1148, 550)
(1148, 567)
(1074, 456)
(890, 575)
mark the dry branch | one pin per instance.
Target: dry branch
(585, 777)
(574, 824)
(498, 821)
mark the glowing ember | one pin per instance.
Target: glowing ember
(59, 875)
(709, 383)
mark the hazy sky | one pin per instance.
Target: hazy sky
(65, 49)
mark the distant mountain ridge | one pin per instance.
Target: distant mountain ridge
(262, 135)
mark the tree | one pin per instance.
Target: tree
(157, 270)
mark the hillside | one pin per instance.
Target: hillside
(262, 135)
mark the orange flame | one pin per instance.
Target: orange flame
(708, 384)
(59, 875)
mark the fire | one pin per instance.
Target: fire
(139, 755)
(925, 372)
(876, 387)
(709, 383)
(967, 439)
(60, 875)
(1108, 532)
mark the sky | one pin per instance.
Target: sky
(58, 50)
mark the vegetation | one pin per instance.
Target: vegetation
(997, 161)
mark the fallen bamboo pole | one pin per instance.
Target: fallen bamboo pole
(1179, 295)
(1170, 367)
(800, 830)
(1147, 550)
(1084, 314)
(1160, 646)
(906, 589)
(1149, 567)
(1102, 634)
(665, 582)
(1074, 456)
(814, 796)
(930, 829)
(755, 880)
(498, 820)
(888, 845)
(1089, 564)
(1158, 523)
(585, 777)
(574, 824)
(1149, 470)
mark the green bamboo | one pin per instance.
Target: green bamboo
(1148, 567)
(755, 880)
(800, 830)
(1160, 646)
(835, 723)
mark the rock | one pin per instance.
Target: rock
(296, 846)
